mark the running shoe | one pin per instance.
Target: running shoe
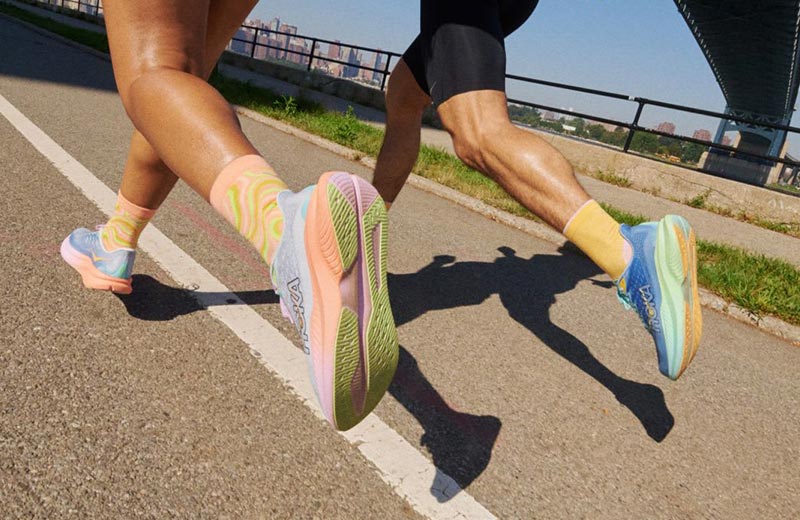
(329, 271)
(99, 268)
(660, 283)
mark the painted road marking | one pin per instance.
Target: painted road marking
(427, 489)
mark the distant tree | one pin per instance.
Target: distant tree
(617, 137)
(579, 124)
(597, 132)
(526, 115)
(645, 143)
(692, 152)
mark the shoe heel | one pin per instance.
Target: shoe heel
(380, 331)
(366, 343)
(341, 195)
(681, 312)
(90, 276)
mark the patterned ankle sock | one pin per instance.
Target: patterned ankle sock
(597, 234)
(246, 194)
(125, 225)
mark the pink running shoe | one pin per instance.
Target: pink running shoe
(330, 273)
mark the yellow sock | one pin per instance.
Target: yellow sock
(597, 234)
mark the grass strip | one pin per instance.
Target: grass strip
(761, 285)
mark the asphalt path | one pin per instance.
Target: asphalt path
(521, 377)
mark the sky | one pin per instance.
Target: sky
(634, 47)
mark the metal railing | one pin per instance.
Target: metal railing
(91, 8)
(633, 126)
(313, 56)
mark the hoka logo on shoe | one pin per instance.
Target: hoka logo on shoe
(653, 323)
(296, 296)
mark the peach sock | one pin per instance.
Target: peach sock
(125, 225)
(597, 234)
(246, 194)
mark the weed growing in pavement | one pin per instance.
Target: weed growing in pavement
(699, 201)
(346, 130)
(287, 105)
(613, 178)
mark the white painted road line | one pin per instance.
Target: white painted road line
(428, 490)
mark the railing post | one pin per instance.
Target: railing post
(253, 45)
(311, 56)
(633, 127)
(386, 72)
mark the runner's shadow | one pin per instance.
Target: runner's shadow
(527, 288)
(461, 444)
(151, 300)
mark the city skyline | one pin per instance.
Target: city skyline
(336, 58)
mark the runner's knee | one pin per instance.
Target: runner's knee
(474, 134)
(403, 96)
(471, 144)
(147, 74)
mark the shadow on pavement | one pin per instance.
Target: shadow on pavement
(461, 444)
(527, 289)
(151, 300)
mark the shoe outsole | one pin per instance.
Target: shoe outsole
(346, 238)
(680, 312)
(92, 277)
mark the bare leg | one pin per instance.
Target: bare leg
(146, 180)
(405, 103)
(158, 60)
(527, 167)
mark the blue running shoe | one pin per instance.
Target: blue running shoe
(660, 283)
(99, 268)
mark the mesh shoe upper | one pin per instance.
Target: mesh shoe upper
(639, 287)
(117, 263)
(289, 271)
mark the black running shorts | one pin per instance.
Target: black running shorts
(460, 46)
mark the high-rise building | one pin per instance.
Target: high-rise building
(353, 59)
(366, 74)
(666, 127)
(702, 134)
(239, 43)
(377, 77)
(335, 51)
(284, 41)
